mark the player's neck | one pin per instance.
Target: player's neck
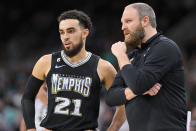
(78, 57)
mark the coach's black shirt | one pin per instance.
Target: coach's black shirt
(159, 60)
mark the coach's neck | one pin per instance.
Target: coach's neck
(149, 32)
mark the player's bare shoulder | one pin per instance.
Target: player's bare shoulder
(42, 67)
(106, 71)
(46, 59)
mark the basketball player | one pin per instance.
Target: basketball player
(74, 77)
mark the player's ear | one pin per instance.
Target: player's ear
(85, 33)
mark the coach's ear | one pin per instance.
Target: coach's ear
(145, 21)
(85, 33)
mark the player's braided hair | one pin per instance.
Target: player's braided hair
(82, 17)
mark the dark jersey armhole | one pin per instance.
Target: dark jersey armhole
(96, 60)
(54, 55)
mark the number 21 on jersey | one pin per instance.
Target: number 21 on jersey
(62, 106)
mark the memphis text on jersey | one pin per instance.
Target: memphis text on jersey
(78, 84)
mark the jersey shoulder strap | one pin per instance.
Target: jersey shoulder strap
(56, 57)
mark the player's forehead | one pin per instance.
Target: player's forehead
(69, 23)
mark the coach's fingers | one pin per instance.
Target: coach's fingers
(154, 90)
(157, 86)
(149, 92)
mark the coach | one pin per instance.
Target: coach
(155, 59)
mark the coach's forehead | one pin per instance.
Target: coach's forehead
(129, 12)
(129, 6)
(130, 9)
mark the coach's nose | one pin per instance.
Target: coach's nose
(124, 26)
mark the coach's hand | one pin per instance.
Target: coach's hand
(129, 94)
(154, 90)
(119, 48)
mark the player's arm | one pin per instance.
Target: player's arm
(42, 94)
(107, 74)
(22, 125)
(32, 87)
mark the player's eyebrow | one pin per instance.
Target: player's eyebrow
(70, 28)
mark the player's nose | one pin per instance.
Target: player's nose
(65, 37)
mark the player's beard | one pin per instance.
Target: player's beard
(75, 49)
(135, 38)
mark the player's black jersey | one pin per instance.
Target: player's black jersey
(73, 94)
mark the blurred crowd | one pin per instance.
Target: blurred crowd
(29, 29)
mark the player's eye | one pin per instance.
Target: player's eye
(70, 31)
(61, 32)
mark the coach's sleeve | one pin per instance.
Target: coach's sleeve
(115, 96)
(28, 101)
(159, 61)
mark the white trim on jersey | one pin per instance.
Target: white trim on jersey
(86, 59)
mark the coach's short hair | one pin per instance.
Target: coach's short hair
(83, 18)
(146, 10)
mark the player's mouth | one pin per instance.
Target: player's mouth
(67, 43)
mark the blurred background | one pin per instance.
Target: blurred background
(29, 29)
